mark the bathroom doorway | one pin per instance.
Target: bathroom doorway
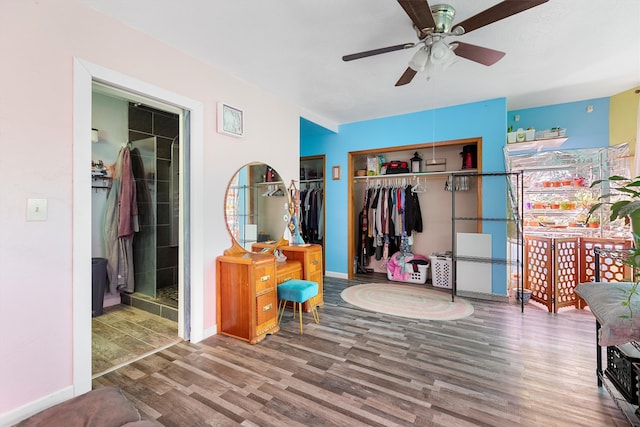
(141, 315)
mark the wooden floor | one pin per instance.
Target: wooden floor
(498, 367)
(125, 333)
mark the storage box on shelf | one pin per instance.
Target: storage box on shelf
(621, 372)
(551, 133)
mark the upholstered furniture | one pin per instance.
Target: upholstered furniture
(103, 407)
(298, 292)
(606, 300)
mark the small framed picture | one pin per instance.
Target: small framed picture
(335, 172)
(230, 120)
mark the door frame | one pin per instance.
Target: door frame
(191, 218)
(322, 158)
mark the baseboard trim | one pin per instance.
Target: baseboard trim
(336, 275)
(25, 411)
(483, 296)
(206, 333)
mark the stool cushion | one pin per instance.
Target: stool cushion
(297, 290)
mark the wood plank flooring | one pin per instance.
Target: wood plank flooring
(124, 333)
(498, 367)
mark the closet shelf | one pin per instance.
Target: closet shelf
(464, 218)
(416, 175)
(487, 260)
(269, 182)
(537, 144)
(101, 181)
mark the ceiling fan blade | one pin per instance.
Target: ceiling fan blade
(499, 11)
(406, 77)
(420, 13)
(372, 52)
(482, 55)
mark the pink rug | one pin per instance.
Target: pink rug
(410, 301)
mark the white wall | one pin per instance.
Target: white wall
(111, 117)
(39, 41)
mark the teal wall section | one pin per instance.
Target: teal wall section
(486, 119)
(584, 129)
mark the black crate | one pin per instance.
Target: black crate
(620, 370)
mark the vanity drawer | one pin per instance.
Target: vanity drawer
(266, 311)
(288, 270)
(314, 262)
(265, 277)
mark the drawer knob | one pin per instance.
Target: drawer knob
(265, 278)
(314, 262)
(267, 307)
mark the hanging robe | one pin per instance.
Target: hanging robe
(120, 224)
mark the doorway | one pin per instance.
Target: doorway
(141, 311)
(191, 306)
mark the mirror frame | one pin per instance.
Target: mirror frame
(236, 247)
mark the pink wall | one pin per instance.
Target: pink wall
(39, 41)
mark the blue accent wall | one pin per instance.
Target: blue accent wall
(487, 119)
(584, 129)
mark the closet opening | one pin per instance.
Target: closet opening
(412, 187)
(312, 195)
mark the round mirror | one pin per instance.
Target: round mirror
(256, 206)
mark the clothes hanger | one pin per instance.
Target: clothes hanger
(418, 188)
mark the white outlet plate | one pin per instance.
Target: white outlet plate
(36, 209)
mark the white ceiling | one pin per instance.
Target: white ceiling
(560, 51)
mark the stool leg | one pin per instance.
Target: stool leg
(316, 316)
(282, 304)
(300, 314)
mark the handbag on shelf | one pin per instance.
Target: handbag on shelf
(395, 167)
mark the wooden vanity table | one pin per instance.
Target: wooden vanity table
(246, 287)
(246, 282)
(308, 258)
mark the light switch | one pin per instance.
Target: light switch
(36, 209)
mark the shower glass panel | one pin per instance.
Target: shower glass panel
(145, 241)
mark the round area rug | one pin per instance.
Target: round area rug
(407, 301)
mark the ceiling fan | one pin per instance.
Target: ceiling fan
(433, 25)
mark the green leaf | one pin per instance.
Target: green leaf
(628, 208)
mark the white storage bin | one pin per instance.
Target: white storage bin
(419, 277)
(441, 272)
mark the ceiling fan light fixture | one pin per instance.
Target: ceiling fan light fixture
(419, 61)
(440, 53)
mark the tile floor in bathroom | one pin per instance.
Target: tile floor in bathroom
(124, 333)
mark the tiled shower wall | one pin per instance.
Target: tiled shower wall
(145, 122)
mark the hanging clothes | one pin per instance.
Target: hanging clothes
(120, 224)
(413, 214)
(363, 228)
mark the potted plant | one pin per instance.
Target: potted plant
(623, 201)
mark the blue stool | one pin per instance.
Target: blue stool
(297, 291)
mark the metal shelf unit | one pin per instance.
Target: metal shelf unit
(514, 188)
